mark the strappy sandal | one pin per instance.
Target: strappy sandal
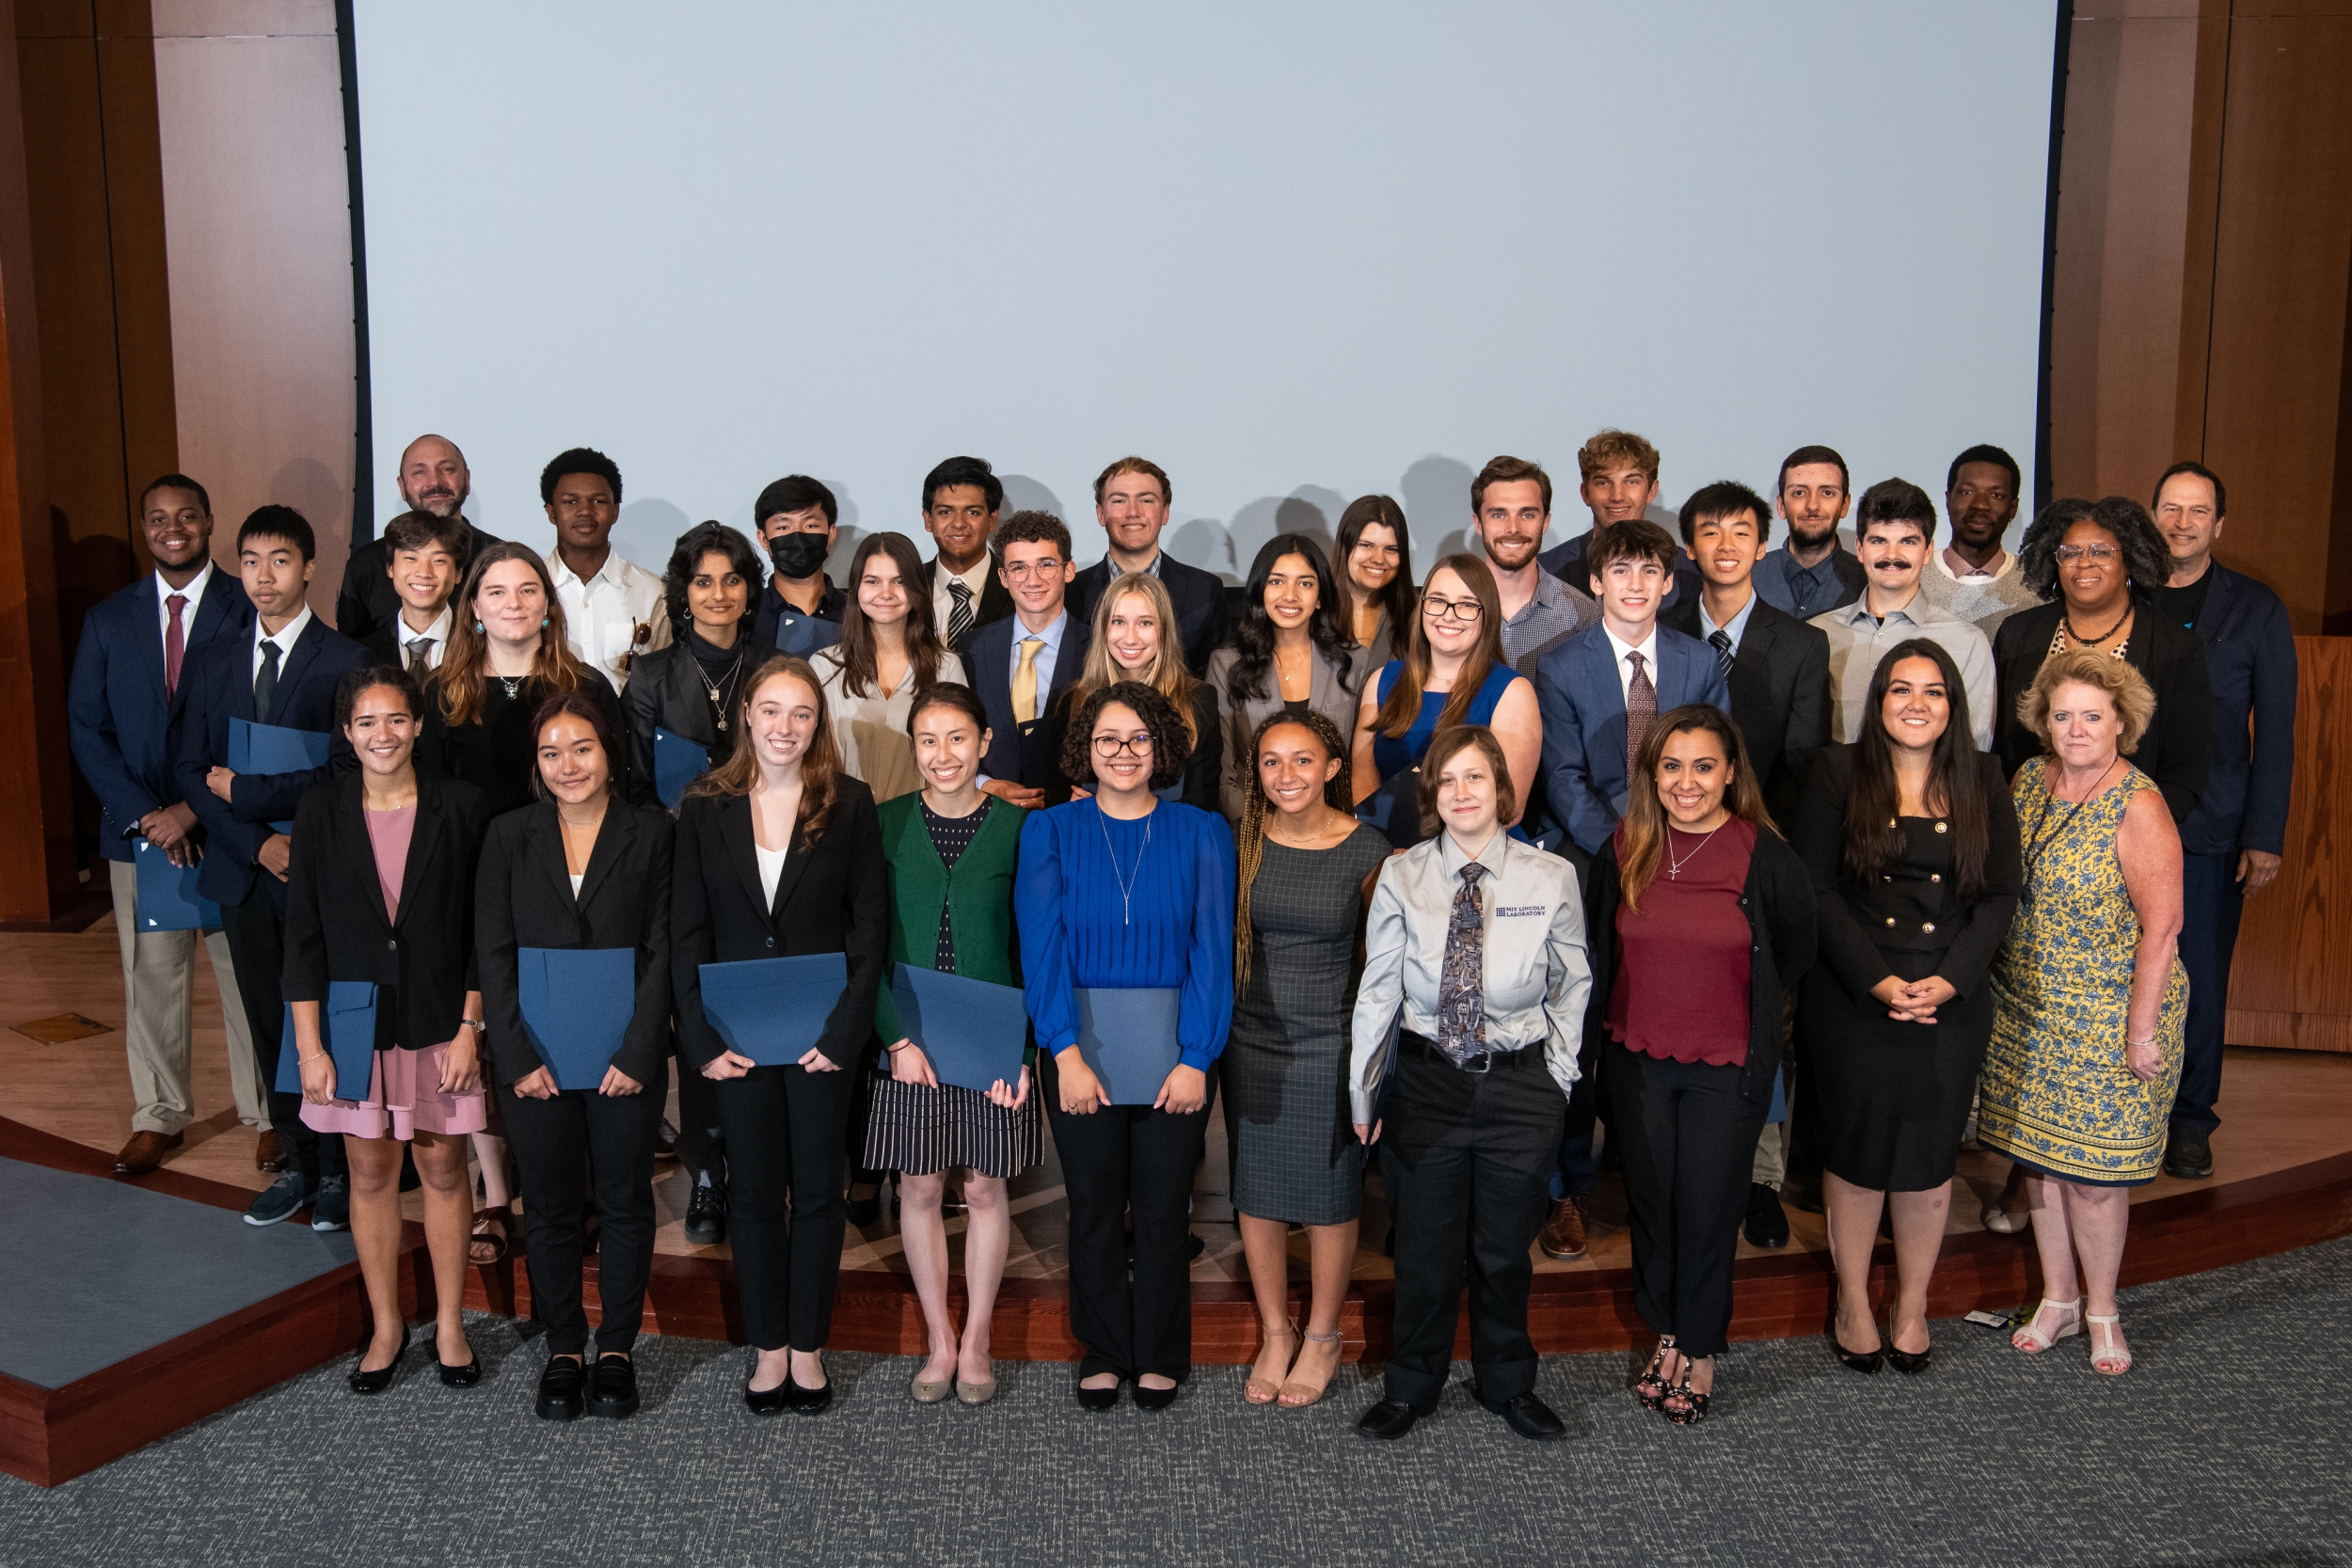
(1258, 1391)
(1650, 1387)
(2116, 1359)
(484, 1239)
(2030, 1338)
(1314, 1394)
(1692, 1408)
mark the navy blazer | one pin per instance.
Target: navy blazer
(1027, 760)
(218, 686)
(1197, 597)
(116, 711)
(1583, 712)
(1566, 562)
(2250, 660)
(1779, 696)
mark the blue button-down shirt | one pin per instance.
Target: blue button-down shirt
(1803, 592)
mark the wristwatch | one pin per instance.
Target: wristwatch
(481, 1025)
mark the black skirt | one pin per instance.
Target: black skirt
(1889, 1100)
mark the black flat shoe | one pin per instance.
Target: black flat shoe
(1531, 1418)
(458, 1377)
(1097, 1399)
(769, 1401)
(1155, 1399)
(613, 1387)
(863, 1212)
(381, 1379)
(1387, 1421)
(560, 1390)
(1854, 1361)
(807, 1401)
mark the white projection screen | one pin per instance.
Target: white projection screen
(1294, 253)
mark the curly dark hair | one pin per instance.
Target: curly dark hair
(2146, 561)
(686, 556)
(1171, 743)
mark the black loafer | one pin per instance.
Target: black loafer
(1155, 1399)
(1387, 1421)
(1531, 1418)
(381, 1379)
(613, 1387)
(1766, 1225)
(560, 1388)
(2188, 1154)
(768, 1401)
(1097, 1399)
(807, 1401)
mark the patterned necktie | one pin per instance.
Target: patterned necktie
(1024, 682)
(175, 645)
(421, 656)
(265, 684)
(959, 610)
(1641, 711)
(1462, 980)
(1724, 655)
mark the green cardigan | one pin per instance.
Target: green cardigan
(977, 895)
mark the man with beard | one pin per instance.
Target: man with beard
(1813, 572)
(801, 611)
(1973, 578)
(1619, 480)
(432, 478)
(1511, 507)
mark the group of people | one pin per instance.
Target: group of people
(1734, 857)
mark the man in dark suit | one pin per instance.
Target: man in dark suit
(1019, 664)
(1778, 670)
(799, 611)
(961, 498)
(1619, 481)
(433, 478)
(2233, 842)
(282, 672)
(428, 554)
(1131, 500)
(128, 674)
(1599, 693)
(1813, 573)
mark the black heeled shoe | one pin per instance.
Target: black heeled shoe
(1097, 1399)
(1903, 1361)
(1650, 1387)
(457, 1377)
(381, 1379)
(560, 1387)
(1855, 1361)
(1155, 1399)
(1694, 1405)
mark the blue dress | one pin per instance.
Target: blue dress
(1394, 756)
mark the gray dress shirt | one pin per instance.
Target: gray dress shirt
(1858, 639)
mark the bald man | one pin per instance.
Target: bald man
(432, 478)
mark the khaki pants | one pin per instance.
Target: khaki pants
(158, 997)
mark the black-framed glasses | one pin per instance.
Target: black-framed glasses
(1110, 746)
(1458, 610)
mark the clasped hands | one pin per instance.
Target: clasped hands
(734, 1063)
(1914, 1000)
(1184, 1091)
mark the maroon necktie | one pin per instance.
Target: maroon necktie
(1641, 711)
(175, 645)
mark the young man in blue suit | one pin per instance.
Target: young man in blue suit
(282, 672)
(128, 672)
(1130, 501)
(1599, 693)
(1019, 664)
(2233, 842)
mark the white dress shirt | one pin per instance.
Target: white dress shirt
(613, 616)
(436, 637)
(1735, 628)
(944, 603)
(288, 634)
(1858, 639)
(1647, 648)
(193, 593)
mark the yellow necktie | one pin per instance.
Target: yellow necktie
(1024, 681)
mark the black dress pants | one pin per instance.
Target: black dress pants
(785, 1129)
(1689, 1143)
(1466, 1155)
(701, 1143)
(1114, 1158)
(563, 1147)
(256, 929)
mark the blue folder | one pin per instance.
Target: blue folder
(271, 748)
(168, 898)
(973, 1031)
(774, 1010)
(677, 762)
(347, 1023)
(577, 1004)
(1128, 1037)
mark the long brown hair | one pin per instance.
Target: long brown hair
(1249, 843)
(1396, 600)
(573, 705)
(924, 650)
(821, 764)
(1167, 673)
(1955, 780)
(1397, 715)
(465, 673)
(1643, 841)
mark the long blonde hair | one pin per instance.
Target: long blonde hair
(1249, 843)
(820, 765)
(464, 676)
(1166, 674)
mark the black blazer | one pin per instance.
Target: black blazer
(996, 602)
(1198, 596)
(495, 750)
(422, 963)
(1779, 695)
(367, 599)
(1779, 904)
(523, 898)
(1027, 759)
(1204, 769)
(2177, 751)
(665, 691)
(834, 896)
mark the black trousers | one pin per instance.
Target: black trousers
(701, 1143)
(563, 1147)
(785, 1129)
(256, 929)
(1466, 1155)
(2215, 904)
(1689, 1143)
(1116, 1159)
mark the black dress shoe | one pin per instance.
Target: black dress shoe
(458, 1377)
(865, 1211)
(381, 1379)
(1908, 1364)
(769, 1401)
(807, 1401)
(613, 1387)
(560, 1390)
(1155, 1399)
(1766, 1225)
(1097, 1399)
(1855, 1361)
(1387, 1421)
(1530, 1418)
(706, 1215)
(2188, 1154)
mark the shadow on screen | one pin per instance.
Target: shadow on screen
(1023, 494)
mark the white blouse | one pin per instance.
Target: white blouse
(872, 730)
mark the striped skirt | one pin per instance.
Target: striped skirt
(920, 1130)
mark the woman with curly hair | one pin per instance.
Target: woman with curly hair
(1290, 653)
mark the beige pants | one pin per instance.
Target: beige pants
(1772, 1156)
(158, 998)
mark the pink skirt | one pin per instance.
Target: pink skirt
(404, 1098)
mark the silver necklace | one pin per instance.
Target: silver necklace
(513, 684)
(1126, 882)
(1673, 866)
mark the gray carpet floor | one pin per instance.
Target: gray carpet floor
(2227, 1444)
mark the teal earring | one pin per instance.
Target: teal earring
(543, 622)
(477, 628)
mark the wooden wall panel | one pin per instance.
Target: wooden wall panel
(2291, 985)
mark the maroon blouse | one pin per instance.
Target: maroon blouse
(1682, 987)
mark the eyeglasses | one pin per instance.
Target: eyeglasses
(1017, 570)
(1458, 609)
(1110, 746)
(2069, 553)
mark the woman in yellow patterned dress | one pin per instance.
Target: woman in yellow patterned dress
(2088, 997)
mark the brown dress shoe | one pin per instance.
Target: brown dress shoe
(1564, 1233)
(145, 1151)
(270, 1154)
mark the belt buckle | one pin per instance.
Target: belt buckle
(1482, 1062)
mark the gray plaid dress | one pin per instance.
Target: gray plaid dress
(1294, 1157)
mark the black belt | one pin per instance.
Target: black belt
(1422, 1045)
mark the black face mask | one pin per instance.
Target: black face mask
(798, 556)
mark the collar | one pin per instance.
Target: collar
(1736, 625)
(1791, 567)
(1943, 561)
(288, 634)
(1550, 593)
(1451, 858)
(562, 574)
(1052, 635)
(975, 579)
(443, 624)
(1648, 647)
(1915, 612)
(1115, 569)
(194, 591)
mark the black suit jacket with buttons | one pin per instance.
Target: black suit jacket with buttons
(1197, 597)
(834, 896)
(1779, 695)
(994, 603)
(523, 898)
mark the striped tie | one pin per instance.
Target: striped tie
(958, 610)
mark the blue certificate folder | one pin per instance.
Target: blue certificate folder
(347, 1018)
(973, 1031)
(577, 1004)
(168, 898)
(677, 762)
(774, 1010)
(1128, 1038)
(268, 749)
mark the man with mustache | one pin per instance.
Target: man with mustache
(432, 478)
(1898, 520)
(1813, 572)
(801, 611)
(1619, 480)
(1973, 577)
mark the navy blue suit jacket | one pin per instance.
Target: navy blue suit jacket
(2249, 660)
(116, 711)
(1017, 758)
(219, 687)
(1197, 597)
(1584, 711)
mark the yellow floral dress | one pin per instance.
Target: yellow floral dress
(2057, 1097)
